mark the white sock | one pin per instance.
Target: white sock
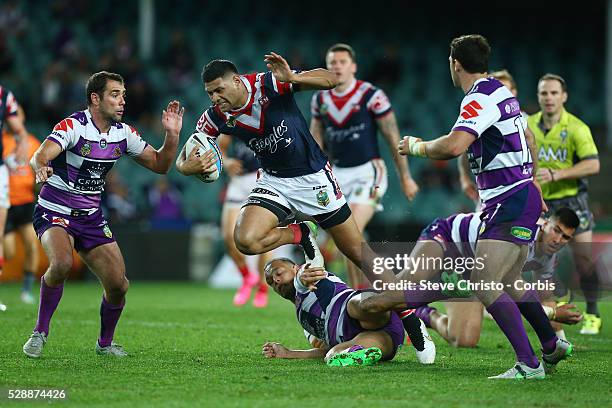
(561, 334)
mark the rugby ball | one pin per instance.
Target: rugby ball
(204, 143)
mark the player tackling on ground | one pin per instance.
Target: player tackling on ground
(260, 110)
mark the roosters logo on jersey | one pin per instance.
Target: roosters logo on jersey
(270, 142)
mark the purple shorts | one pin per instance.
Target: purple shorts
(88, 231)
(393, 328)
(514, 219)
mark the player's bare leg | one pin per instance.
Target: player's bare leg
(229, 216)
(58, 245)
(257, 231)
(106, 262)
(362, 213)
(530, 306)
(499, 260)
(367, 320)
(461, 325)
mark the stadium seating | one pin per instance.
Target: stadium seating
(423, 97)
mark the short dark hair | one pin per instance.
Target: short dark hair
(504, 75)
(343, 47)
(472, 51)
(567, 217)
(268, 264)
(217, 69)
(97, 83)
(554, 77)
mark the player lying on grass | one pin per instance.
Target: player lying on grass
(461, 325)
(329, 310)
(456, 238)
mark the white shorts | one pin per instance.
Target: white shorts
(5, 201)
(239, 188)
(317, 195)
(364, 184)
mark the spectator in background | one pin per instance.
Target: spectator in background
(180, 61)
(165, 201)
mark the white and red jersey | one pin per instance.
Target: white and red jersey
(271, 124)
(349, 119)
(86, 158)
(8, 107)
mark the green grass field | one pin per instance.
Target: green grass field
(190, 347)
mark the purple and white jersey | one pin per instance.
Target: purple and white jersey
(499, 157)
(458, 235)
(543, 266)
(87, 156)
(322, 312)
(349, 119)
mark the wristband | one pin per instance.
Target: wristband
(416, 147)
(550, 312)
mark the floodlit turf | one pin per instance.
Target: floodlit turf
(190, 347)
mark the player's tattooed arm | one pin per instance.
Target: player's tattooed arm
(314, 79)
(387, 125)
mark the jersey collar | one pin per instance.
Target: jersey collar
(346, 91)
(249, 89)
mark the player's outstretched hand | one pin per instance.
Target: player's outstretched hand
(172, 118)
(311, 275)
(274, 350)
(568, 314)
(43, 173)
(279, 67)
